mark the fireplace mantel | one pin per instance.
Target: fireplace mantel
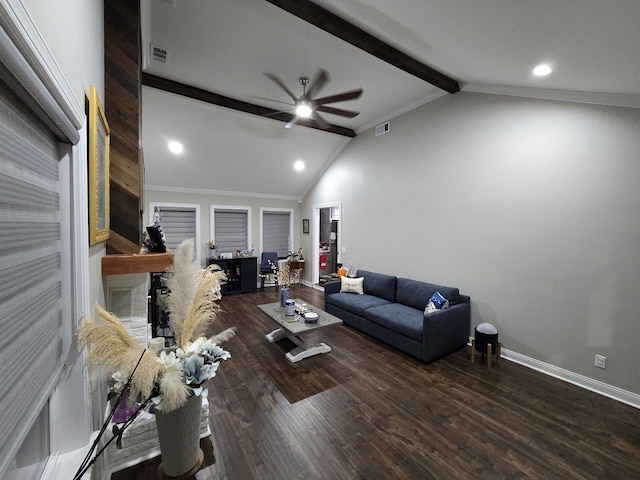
(138, 263)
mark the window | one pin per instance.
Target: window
(277, 225)
(43, 252)
(179, 222)
(34, 313)
(231, 228)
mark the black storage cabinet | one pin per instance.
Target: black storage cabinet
(242, 274)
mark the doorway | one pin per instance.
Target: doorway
(327, 220)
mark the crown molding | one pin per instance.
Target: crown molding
(610, 99)
(430, 98)
(224, 193)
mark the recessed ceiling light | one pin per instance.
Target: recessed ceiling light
(299, 165)
(175, 147)
(542, 70)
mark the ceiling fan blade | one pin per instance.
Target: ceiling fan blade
(281, 84)
(271, 100)
(340, 97)
(277, 112)
(293, 121)
(318, 83)
(322, 123)
(337, 111)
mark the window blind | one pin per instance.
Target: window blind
(231, 230)
(275, 232)
(30, 269)
(178, 224)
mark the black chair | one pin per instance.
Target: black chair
(268, 267)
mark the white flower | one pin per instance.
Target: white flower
(118, 381)
(168, 359)
(191, 348)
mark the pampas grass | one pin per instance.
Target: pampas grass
(182, 285)
(111, 348)
(223, 336)
(192, 309)
(174, 391)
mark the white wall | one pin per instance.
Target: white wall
(531, 207)
(73, 31)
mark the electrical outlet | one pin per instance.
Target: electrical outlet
(601, 361)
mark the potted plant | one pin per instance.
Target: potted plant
(213, 250)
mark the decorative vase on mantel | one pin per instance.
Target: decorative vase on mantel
(179, 437)
(284, 295)
(213, 252)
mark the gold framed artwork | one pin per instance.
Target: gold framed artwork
(99, 140)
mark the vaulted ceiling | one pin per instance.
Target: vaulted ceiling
(402, 54)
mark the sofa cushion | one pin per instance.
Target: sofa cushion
(351, 285)
(436, 302)
(416, 294)
(399, 318)
(379, 285)
(354, 303)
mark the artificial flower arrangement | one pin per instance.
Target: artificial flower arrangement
(282, 271)
(212, 244)
(167, 377)
(164, 379)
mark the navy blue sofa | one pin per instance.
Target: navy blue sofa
(392, 309)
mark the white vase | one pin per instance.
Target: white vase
(179, 437)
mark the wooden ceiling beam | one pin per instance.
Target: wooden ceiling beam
(195, 93)
(333, 24)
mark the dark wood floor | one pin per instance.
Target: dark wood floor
(367, 411)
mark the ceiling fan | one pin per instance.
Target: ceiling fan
(306, 106)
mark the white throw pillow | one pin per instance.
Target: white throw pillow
(352, 285)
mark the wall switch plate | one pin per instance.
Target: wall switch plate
(344, 249)
(601, 362)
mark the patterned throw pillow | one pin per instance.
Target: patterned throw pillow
(352, 285)
(436, 302)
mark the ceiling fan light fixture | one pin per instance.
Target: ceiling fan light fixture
(303, 109)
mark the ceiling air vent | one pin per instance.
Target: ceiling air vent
(382, 128)
(159, 54)
(170, 2)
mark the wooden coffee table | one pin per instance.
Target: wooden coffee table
(303, 334)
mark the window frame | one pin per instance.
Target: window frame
(244, 208)
(195, 207)
(264, 210)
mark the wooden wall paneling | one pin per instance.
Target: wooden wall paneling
(123, 111)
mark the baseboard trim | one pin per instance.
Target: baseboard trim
(596, 386)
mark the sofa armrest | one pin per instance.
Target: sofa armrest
(332, 287)
(445, 331)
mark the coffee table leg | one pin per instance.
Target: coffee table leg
(300, 353)
(277, 334)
